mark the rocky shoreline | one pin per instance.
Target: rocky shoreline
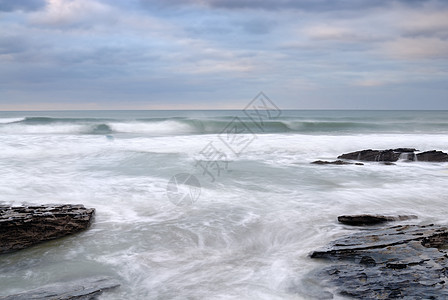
(25, 226)
(393, 155)
(387, 157)
(82, 289)
(394, 262)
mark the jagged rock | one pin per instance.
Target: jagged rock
(392, 155)
(336, 162)
(359, 220)
(84, 289)
(406, 262)
(24, 226)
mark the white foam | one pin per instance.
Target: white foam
(158, 128)
(10, 120)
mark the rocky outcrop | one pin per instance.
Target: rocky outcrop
(393, 155)
(336, 162)
(390, 155)
(432, 156)
(84, 289)
(361, 220)
(402, 262)
(24, 226)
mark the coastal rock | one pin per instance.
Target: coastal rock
(24, 226)
(433, 156)
(365, 219)
(336, 162)
(392, 155)
(405, 262)
(84, 289)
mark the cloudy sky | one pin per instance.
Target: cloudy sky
(200, 54)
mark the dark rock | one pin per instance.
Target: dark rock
(24, 226)
(372, 155)
(359, 220)
(405, 150)
(84, 289)
(432, 156)
(407, 262)
(392, 155)
(336, 162)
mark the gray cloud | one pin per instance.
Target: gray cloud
(12, 45)
(305, 5)
(25, 5)
(174, 52)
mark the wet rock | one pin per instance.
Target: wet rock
(336, 162)
(84, 289)
(24, 226)
(372, 155)
(365, 219)
(433, 156)
(392, 155)
(405, 262)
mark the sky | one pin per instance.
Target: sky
(219, 54)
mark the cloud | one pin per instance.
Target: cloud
(24, 5)
(173, 52)
(416, 48)
(334, 33)
(303, 5)
(12, 45)
(425, 23)
(62, 13)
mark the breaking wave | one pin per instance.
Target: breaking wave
(183, 126)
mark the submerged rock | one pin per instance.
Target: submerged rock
(336, 162)
(84, 289)
(392, 155)
(407, 262)
(359, 220)
(24, 226)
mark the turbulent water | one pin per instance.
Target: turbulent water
(262, 206)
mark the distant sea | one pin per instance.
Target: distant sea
(251, 208)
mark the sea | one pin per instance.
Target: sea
(210, 204)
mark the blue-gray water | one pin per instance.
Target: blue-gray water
(248, 234)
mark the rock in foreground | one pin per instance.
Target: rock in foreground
(402, 262)
(361, 220)
(24, 226)
(85, 289)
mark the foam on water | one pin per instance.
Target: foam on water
(247, 236)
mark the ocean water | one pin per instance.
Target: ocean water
(244, 229)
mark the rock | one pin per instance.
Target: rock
(84, 289)
(432, 156)
(406, 261)
(359, 220)
(372, 155)
(392, 155)
(336, 162)
(405, 150)
(24, 226)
